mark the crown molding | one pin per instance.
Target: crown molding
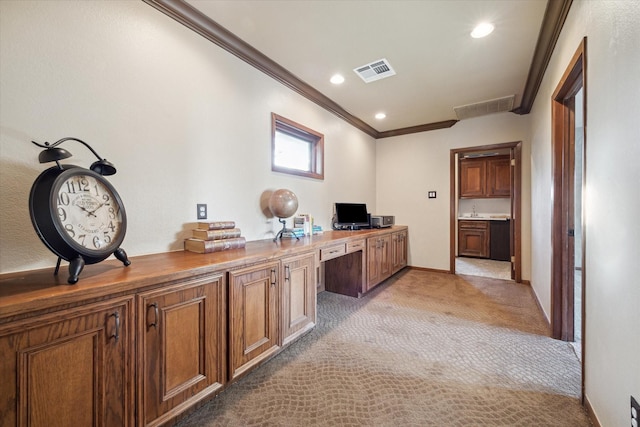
(419, 128)
(554, 17)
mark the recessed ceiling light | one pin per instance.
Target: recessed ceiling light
(482, 30)
(380, 116)
(337, 79)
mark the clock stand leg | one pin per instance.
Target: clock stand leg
(121, 255)
(75, 268)
(55, 272)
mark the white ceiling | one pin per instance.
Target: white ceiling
(438, 65)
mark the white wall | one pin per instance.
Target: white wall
(183, 121)
(611, 200)
(187, 123)
(409, 166)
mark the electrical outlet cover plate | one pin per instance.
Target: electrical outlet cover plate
(202, 211)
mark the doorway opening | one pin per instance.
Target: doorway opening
(568, 275)
(495, 167)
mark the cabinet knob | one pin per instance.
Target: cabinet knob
(273, 277)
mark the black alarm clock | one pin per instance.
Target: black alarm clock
(78, 215)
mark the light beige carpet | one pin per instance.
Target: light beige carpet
(422, 349)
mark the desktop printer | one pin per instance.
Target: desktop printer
(381, 221)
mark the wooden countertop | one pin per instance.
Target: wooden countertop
(485, 218)
(39, 290)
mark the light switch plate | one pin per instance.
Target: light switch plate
(432, 194)
(202, 210)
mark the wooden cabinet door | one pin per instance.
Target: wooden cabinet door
(181, 346)
(298, 296)
(378, 259)
(473, 238)
(69, 368)
(253, 316)
(499, 177)
(373, 262)
(385, 257)
(473, 177)
(399, 250)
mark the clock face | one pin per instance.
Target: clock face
(88, 212)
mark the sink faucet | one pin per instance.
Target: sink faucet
(474, 214)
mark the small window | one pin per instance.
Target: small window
(296, 149)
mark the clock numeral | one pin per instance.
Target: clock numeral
(81, 238)
(70, 230)
(106, 237)
(111, 226)
(83, 185)
(106, 198)
(97, 242)
(62, 214)
(63, 199)
(113, 214)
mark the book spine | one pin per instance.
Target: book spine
(208, 246)
(216, 225)
(216, 234)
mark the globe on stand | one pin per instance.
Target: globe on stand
(283, 204)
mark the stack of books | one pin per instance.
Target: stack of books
(214, 237)
(300, 232)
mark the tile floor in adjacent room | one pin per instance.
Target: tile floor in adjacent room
(483, 267)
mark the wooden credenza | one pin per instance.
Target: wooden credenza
(142, 344)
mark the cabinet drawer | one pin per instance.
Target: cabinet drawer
(475, 224)
(356, 245)
(332, 252)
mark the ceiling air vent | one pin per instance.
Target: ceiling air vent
(375, 71)
(486, 107)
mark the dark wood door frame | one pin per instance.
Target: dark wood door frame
(516, 203)
(563, 156)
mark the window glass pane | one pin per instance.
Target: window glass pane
(291, 152)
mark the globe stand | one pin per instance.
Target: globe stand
(284, 228)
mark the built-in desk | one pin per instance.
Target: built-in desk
(144, 343)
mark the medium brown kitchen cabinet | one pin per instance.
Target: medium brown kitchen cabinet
(253, 316)
(298, 296)
(473, 178)
(486, 177)
(181, 345)
(498, 176)
(71, 367)
(473, 238)
(378, 259)
(398, 250)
